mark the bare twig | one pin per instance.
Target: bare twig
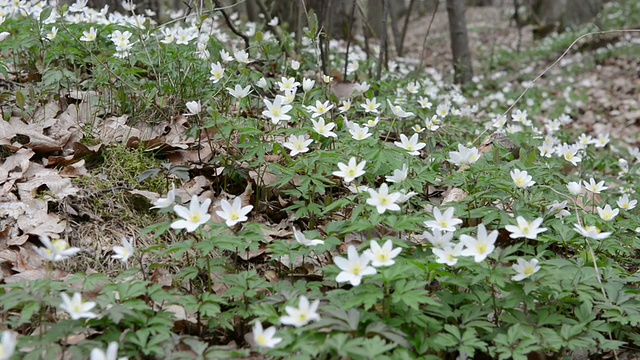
(346, 55)
(230, 24)
(400, 47)
(516, 17)
(383, 40)
(395, 31)
(426, 36)
(276, 29)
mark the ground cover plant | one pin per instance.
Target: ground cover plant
(168, 192)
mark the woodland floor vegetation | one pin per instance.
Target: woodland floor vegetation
(167, 192)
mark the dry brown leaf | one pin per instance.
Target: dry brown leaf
(17, 240)
(46, 112)
(162, 276)
(42, 224)
(88, 110)
(248, 255)
(218, 287)
(27, 259)
(65, 131)
(179, 312)
(38, 142)
(75, 170)
(190, 156)
(81, 150)
(15, 165)
(38, 274)
(191, 187)
(278, 232)
(115, 129)
(453, 195)
(343, 89)
(74, 339)
(56, 160)
(262, 177)
(6, 133)
(58, 186)
(149, 195)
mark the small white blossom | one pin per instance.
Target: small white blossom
(77, 308)
(626, 204)
(607, 213)
(481, 246)
(524, 269)
(125, 251)
(574, 188)
(449, 253)
(265, 337)
(521, 179)
(594, 187)
(303, 314)
(411, 145)
(351, 170)
(525, 229)
(196, 215)
(443, 221)
(234, 213)
(591, 232)
(382, 256)
(354, 267)
(399, 175)
(297, 144)
(302, 239)
(56, 250)
(384, 201)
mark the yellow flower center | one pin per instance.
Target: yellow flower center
(528, 270)
(356, 270)
(383, 257)
(195, 217)
(60, 245)
(481, 248)
(262, 340)
(77, 308)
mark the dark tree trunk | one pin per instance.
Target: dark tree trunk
(566, 12)
(459, 41)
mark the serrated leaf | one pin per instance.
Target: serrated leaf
(388, 333)
(412, 293)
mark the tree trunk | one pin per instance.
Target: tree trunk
(334, 15)
(459, 42)
(566, 12)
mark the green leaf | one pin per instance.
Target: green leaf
(148, 174)
(20, 99)
(412, 293)
(387, 332)
(365, 296)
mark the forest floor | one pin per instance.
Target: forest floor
(612, 85)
